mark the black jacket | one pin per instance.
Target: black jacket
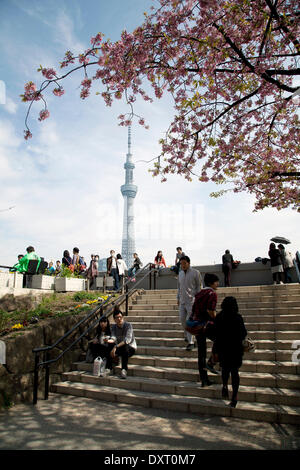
(230, 332)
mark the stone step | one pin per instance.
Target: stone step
(165, 333)
(242, 304)
(191, 362)
(258, 355)
(280, 396)
(173, 320)
(242, 297)
(254, 379)
(173, 342)
(184, 403)
(247, 318)
(272, 367)
(270, 288)
(156, 325)
(239, 294)
(277, 310)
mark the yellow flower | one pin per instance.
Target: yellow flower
(17, 326)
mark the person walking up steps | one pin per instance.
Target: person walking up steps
(189, 284)
(230, 332)
(203, 314)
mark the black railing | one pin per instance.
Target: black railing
(110, 304)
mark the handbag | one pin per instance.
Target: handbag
(97, 366)
(194, 330)
(248, 345)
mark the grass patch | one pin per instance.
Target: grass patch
(51, 306)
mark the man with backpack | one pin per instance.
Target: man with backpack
(203, 316)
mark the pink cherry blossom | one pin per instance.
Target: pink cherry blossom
(58, 91)
(230, 70)
(44, 114)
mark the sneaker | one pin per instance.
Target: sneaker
(233, 403)
(102, 368)
(123, 374)
(211, 368)
(109, 372)
(133, 279)
(190, 347)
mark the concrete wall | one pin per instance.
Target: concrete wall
(247, 274)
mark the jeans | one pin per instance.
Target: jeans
(125, 352)
(201, 343)
(115, 275)
(288, 275)
(184, 314)
(131, 272)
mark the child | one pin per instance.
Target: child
(58, 267)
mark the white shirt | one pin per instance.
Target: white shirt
(121, 267)
(113, 262)
(189, 284)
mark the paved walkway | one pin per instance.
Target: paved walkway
(68, 423)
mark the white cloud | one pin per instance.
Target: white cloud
(10, 106)
(64, 33)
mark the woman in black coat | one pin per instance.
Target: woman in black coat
(101, 345)
(230, 333)
(276, 264)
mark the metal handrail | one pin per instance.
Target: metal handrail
(47, 349)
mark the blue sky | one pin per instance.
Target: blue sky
(64, 183)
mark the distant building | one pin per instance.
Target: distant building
(102, 265)
(128, 191)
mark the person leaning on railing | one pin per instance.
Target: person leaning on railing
(22, 265)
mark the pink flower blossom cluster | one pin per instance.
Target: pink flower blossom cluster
(44, 114)
(58, 91)
(49, 73)
(31, 93)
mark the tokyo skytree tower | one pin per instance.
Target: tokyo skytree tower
(128, 191)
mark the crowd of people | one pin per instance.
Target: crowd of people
(197, 303)
(281, 265)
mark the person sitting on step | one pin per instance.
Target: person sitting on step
(125, 344)
(102, 344)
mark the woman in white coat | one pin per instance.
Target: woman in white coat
(121, 270)
(288, 263)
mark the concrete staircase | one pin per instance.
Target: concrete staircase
(162, 374)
